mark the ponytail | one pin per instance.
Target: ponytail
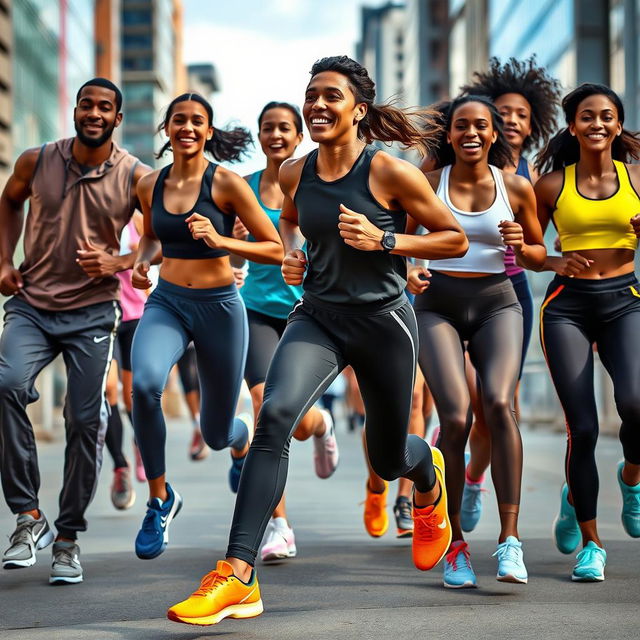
(225, 145)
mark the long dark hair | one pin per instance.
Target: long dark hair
(443, 154)
(563, 149)
(412, 128)
(532, 82)
(297, 118)
(225, 145)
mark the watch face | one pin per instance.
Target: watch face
(388, 240)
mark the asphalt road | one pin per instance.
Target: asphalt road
(343, 584)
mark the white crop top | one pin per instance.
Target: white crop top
(486, 249)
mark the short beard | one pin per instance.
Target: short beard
(94, 143)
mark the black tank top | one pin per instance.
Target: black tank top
(172, 230)
(336, 272)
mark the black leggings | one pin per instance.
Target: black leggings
(264, 334)
(380, 345)
(576, 315)
(188, 370)
(485, 313)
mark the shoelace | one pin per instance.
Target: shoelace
(151, 522)
(22, 534)
(453, 556)
(374, 503)
(210, 582)
(63, 556)
(507, 551)
(632, 500)
(427, 528)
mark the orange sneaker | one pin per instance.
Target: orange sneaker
(376, 520)
(431, 526)
(220, 595)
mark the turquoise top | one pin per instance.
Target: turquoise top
(264, 289)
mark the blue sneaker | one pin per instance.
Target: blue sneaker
(235, 471)
(590, 564)
(458, 572)
(153, 536)
(566, 531)
(510, 562)
(630, 505)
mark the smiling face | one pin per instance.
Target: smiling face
(516, 113)
(188, 127)
(330, 110)
(471, 133)
(95, 116)
(596, 123)
(278, 135)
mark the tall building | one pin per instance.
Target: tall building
(426, 61)
(382, 48)
(468, 40)
(152, 69)
(202, 78)
(107, 38)
(6, 146)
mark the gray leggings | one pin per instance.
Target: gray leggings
(485, 313)
(216, 321)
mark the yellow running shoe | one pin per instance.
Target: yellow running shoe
(376, 520)
(220, 595)
(431, 526)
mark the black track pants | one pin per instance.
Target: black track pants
(317, 344)
(576, 315)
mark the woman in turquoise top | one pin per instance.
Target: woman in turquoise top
(269, 301)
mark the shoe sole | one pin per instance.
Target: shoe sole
(172, 514)
(59, 580)
(466, 585)
(511, 579)
(275, 557)
(233, 611)
(404, 533)
(599, 578)
(44, 541)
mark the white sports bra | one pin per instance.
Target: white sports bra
(486, 249)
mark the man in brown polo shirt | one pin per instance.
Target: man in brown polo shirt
(81, 194)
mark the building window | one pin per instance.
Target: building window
(132, 17)
(137, 63)
(137, 41)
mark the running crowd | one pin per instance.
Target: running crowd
(412, 278)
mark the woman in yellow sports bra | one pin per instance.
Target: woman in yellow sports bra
(592, 199)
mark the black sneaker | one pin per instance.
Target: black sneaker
(29, 536)
(404, 520)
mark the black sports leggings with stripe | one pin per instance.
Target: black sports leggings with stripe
(380, 344)
(485, 313)
(576, 315)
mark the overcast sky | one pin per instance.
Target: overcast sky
(263, 50)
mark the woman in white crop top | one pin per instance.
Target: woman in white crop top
(471, 300)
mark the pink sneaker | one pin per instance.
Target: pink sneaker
(198, 449)
(141, 476)
(326, 454)
(279, 541)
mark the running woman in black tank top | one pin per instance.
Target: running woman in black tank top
(347, 199)
(189, 210)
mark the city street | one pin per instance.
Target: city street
(343, 584)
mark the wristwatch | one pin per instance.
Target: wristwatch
(388, 241)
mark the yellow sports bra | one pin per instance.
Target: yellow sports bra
(585, 223)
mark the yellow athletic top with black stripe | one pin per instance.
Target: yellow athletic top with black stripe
(587, 223)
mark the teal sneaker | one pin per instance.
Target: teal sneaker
(566, 531)
(471, 505)
(590, 564)
(458, 573)
(511, 562)
(630, 505)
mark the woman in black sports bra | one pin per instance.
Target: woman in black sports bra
(350, 201)
(189, 210)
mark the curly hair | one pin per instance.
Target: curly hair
(525, 77)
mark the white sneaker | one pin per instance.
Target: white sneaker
(325, 449)
(279, 541)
